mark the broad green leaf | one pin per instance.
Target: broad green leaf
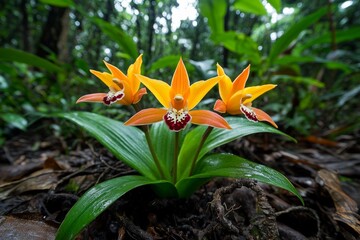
(14, 55)
(164, 142)
(167, 61)
(241, 127)
(228, 165)
(253, 6)
(95, 201)
(298, 79)
(127, 143)
(291, 59)
(15, 120)
(214, 11)
(276, 4)
(59, 3)
(239, 43)
(293, 32)
(345, 35)
(127, 44)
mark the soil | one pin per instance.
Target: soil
(43, 175)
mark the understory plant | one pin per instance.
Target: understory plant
(170, 146)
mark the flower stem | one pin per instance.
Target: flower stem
(203, 139)
(151, 147)
(145, 129)
(176, 155)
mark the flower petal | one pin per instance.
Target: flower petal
(146, 116)
(240, 81)
(256, 91)
(180, 83)
(138, 95)
(159, 88)
(225, 84)
(199, 89)
(220, 106)
(132, 70)
(209, 118)
(94, 97)
(263, 116)
(106, 78)
(233, 105)
(116, 72)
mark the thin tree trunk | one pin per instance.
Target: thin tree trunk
(152, 16)
(51, 32)
(25, 26)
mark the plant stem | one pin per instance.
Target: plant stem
(176, 155)
(151, 147)
(145, 129)
(203, 139)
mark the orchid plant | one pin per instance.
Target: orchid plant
(162, 144)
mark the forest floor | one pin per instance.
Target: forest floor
(42, 176)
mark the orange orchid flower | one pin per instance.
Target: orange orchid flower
(178, 100)
(236, 99)
(124, 89)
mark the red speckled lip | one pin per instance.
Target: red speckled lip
(176, 121)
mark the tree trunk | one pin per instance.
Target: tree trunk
(51, 33)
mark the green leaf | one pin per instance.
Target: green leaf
(95, 201)
(59, 3)
(345, 35)
(15, 120)
(291, 59)
(118, 35)
(276, 4)
(241, 127)
(214, 11)
(14, 55)
(293, 32)
(167, 61)
(298, 80)
(239, 43)
(164, 142)
(228, 165)
(253, 6)
(348, 96)
(126, 143)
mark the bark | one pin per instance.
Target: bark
(152, 16)
(51, 33)
(25, 26)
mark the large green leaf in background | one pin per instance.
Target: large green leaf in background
(59, 3)
(118, 35)
(293, 32)
(95, 201)
(342, 35)
(14, 55)
(252, 6)
(239, 43)
(228, 165)
(128, 144)
(240, 127)
(276, 4)
(214, 11)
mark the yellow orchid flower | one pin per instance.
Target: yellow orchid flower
(236, 99)
(178, 100)
(124, 89)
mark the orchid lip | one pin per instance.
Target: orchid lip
(249, 113)
(113, 97)
(177, 120)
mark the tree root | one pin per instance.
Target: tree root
(263, 224)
